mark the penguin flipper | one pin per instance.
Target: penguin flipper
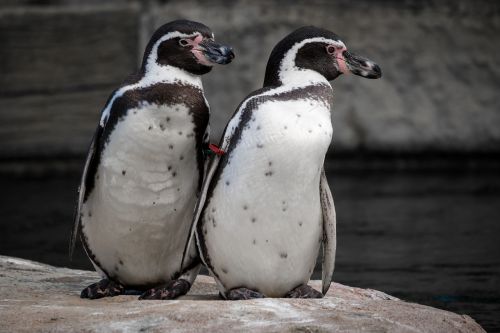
(87, 172)
(329, 232)
(225, 143)
(213, 164)
(190, 245)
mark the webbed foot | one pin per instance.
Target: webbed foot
(171, 290)
(243, 293)
(304, 291)
(103, 288)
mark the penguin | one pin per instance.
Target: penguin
(266, 208)
(145, 166)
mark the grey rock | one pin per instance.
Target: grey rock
(58, 66)
(42, 298)
(439, 91)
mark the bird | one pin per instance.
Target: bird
(266, 208)
(145, 166)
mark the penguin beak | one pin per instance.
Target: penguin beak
(361, 66)
(216, 53)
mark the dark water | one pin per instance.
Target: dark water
(432, 238)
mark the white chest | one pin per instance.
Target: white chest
(265, 209)
(140, 209)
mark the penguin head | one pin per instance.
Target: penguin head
(319, 50)
(187, 45)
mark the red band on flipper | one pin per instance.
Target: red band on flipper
(217, 151)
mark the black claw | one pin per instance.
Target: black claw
(103, 288)
(304, 291)
(242, 294)
(171, 290)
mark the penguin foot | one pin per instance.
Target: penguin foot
(238, 294)
(103, 288)
(171, 290)
(304, 291)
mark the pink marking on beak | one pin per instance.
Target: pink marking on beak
(341, 60)
(197, 52)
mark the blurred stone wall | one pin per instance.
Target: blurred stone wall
(59, 61)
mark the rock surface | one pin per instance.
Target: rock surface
(42, 298)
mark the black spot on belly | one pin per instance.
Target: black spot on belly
(162, 127)
(180, 132)
(117, 268)
(167, 119)
(135, 112)
(268, 174)
(224, 270)
(227, 182)
(213, 209)
(260, 145)
(300, 224)
(174, 174)
(270, 163)
(181, 158)
(258, 127)
(154, 202)
(171, 146)
(283, 255)
(283, 209)
(149, 128)
(319, 125)
(299, 115)
(254, 219)
(310, 131)
(245, 207)
(124, 172)
(90, 213)
(254, 242)
(169, 168)
(286, 127)
(120, 262)
(177, 109)
(178, 189)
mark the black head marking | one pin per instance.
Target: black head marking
(187, 45)
(311, 55)
(171, 52)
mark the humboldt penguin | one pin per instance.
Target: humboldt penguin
(265, 207)
(145, 166)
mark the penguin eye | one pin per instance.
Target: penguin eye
(330, 49)
(183, 42)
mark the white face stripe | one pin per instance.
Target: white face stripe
(155, 73)
(291, 77)
(170, 35)
(288, 63)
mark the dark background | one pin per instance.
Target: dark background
(415, 160)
